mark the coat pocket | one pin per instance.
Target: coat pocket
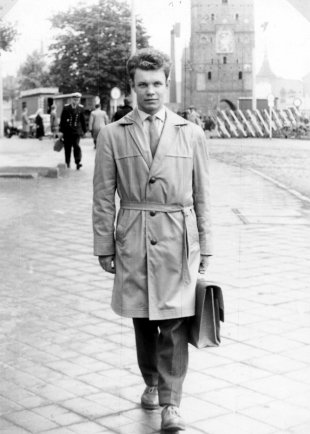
(120, 231)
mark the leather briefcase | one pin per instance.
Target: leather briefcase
(58, 145)
(204, 327)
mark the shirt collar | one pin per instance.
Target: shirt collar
(161, 114)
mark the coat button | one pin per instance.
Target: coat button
(152, 180)
(152, 213)
(153, 242)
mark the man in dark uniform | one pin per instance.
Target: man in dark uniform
(122, 111)
(72, 127)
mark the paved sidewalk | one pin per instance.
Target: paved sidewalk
(28, 158)
(68, 364)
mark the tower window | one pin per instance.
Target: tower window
(240, 75)
(224, 60)
(209, 75)
(237, 17)
(212, 17)
(224, 2)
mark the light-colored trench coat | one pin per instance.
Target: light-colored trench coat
(164, 221)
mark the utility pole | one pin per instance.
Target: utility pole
(175, 33)
(133, 43)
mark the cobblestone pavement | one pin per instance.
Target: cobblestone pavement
(68, 364)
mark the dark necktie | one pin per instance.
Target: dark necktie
(154, 136)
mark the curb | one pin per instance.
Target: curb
(32, 172)
(280, 185)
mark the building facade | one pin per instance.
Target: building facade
(218, 67)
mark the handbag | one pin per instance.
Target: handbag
(204, 326)
(58, 145)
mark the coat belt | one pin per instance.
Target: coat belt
(185, 209)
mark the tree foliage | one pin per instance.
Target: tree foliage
(34, 72)
(10, 87)
(8, 35)
(92, 47)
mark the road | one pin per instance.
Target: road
(287, 161)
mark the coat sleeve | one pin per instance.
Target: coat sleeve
(91, 121)
(63, 118)
(104, 186)
(83, 122)
(201, 191)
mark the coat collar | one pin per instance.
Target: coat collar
(171, 127)
(133, 117)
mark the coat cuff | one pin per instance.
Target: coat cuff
(104, 245)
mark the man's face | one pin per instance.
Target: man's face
(150, 87)
(75, 101)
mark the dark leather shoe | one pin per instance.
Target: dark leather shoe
(149, 398)
(171, 419)
(78, 166)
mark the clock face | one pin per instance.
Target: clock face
(225, 41)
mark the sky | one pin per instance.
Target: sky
(287, 36)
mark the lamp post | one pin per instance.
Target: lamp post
(133, 43)
(270, 104)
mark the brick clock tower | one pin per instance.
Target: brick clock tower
(218, 68)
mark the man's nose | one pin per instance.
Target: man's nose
(150, 89)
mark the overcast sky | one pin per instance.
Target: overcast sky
(287, 36)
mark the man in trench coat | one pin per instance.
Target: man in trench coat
(158, 163)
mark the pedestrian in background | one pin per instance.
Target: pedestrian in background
(39, 124)
(98, 118)
(193, 116)
(122, 110)
(53, 121)
(158, 162)
(25, 123)
(72, 127)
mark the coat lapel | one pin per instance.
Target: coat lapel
(132, 123)
(169, 134)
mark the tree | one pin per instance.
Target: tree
(10, 88)
(8, 35)
(34, 72)
(91, 51)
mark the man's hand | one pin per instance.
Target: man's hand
(60, 135)
(107, 263)
(204, 263)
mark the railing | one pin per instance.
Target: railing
(286, 123)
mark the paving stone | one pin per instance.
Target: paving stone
(281, 415)
(14, 430)
(31, 421)
(233, 423)
(88, 428)
(58, 414)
